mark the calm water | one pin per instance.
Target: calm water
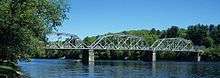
(47, 68)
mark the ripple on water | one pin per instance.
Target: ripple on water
(56, 68)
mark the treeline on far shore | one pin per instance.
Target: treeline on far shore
(207, 37)
(128, 55)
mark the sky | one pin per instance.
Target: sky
(96, 17)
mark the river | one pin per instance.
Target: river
(57, 68)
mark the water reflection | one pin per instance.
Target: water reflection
(91, 69)
(44, 68)
(154, 69)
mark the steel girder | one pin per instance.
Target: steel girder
(173, 44)
(120, 42)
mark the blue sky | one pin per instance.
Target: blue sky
(94, 17)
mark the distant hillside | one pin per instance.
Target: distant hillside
(207, 36)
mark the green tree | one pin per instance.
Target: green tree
(172, 32)
(153, 30)
(89, 40)
(211, 28)
(146, 34)
(182, 33)
(215, 34)
(198, 34)
(208, 42)
(25, 23)
(163, 34)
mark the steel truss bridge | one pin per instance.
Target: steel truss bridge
(112, 42)
(121, 42)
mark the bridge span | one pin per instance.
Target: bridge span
(121, 42)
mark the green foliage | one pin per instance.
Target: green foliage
(212, 54)
(172, 32)
(208, 42)
(182, 33)
(215, 34)
(89, 40)
(199, 34)
(25, 23)
(149, 36)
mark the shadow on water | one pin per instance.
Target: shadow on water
(44, 68)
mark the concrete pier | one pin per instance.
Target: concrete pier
(153, 57)
(91, 55)
(198, 57)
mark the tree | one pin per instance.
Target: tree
(208, 42)
(146, 34)
(25, 23)
(182, 33)
(158, 32)
(89, 40)
(172, 32)
(153, 31)
(215, 34)
(163, 34)
(198, 34)
(211, 28)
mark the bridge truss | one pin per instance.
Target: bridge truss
(66, 41)
(122, 42)
(173, 44)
